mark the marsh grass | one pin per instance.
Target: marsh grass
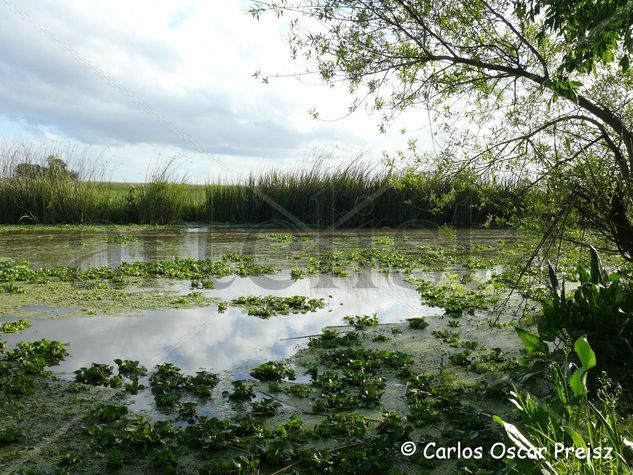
(49, 197)
(350, 195)
(357, 194)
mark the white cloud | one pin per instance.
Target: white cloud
(191, 62)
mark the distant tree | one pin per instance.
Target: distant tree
(534, 99)
(56, 167)
(28, 170)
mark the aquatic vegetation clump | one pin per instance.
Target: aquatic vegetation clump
(202, 284)
(362, 321)
(453, 298)
(447, 336)
(296, 274)
(367, 359)
(268, 306)
(350, 425)
(241, 391)
(273, 371)
(41, 351)
(197, 270)
(331, 338)
(15, 326)
(169, 385)
(417, 323)
(98, 374)
(107, 413)
(298, 390)
(119, 238)
(12, 288)
(21, 367)
(9, 435)
(358, 384)
(130, 368)
(16, 271)
(462, 358)
(285, 238)
(346, 392)
(267, 407)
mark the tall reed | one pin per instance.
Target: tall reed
(350, 195)
(163, 199)
(45, 194)
(357, 194)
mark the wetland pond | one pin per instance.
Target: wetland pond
(199, 325)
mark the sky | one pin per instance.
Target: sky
(128, 85)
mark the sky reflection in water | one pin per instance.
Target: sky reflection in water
(203, 338)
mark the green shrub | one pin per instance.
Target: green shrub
(601, 308)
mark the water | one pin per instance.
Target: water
(88, 248)
(202, 338)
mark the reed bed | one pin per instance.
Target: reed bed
(34, 189)
(357, 194)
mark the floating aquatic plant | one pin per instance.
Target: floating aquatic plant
(362, 321)
(268, 306)
(14, 327)
(273, 371)
(418, 323)
(119, 238)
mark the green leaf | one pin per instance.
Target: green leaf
(577, 382)
(518, 439)
(585, 353)
(532, 342)
(576, 437)
(596, 265)
(583, 275)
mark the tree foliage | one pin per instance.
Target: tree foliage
(594, 31)
(56, 168)
(503, 83)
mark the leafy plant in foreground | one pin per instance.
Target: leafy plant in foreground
(569, 419)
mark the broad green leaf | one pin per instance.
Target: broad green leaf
(576, 437)
(585, 353)
(532, 342)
